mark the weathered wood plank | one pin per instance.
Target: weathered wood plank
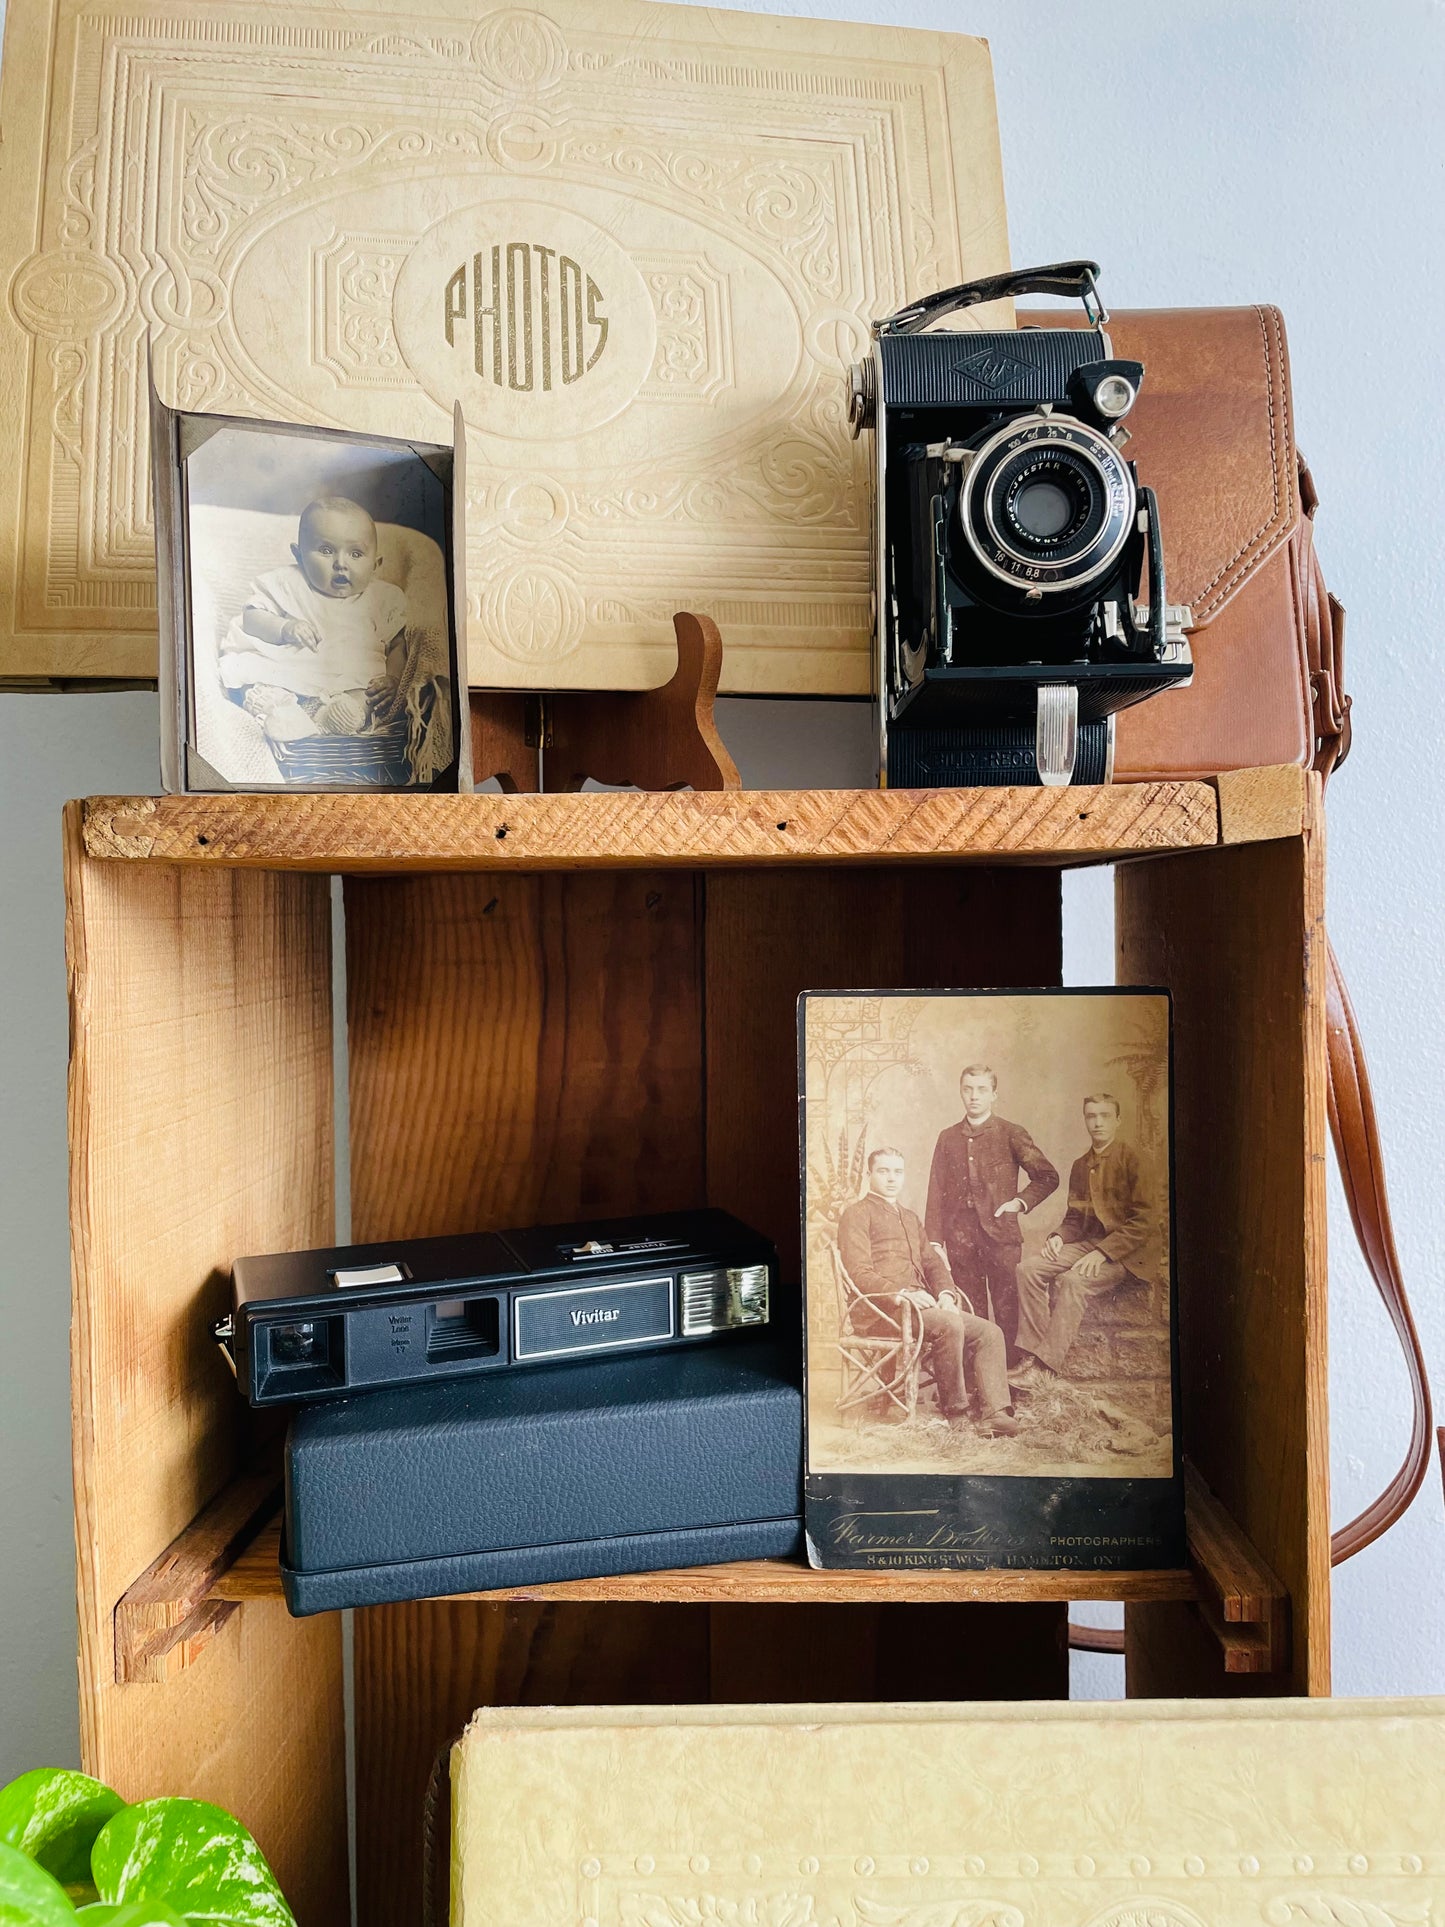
(1237, 934)
(1257, 805)
(633, 828)
(173, 1611)
(256, 1575)
(200, 1127)
(524, 1049)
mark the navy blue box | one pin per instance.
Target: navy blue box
(629, 1464)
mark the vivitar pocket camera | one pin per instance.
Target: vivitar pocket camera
(309, 1325)
(1019, 572)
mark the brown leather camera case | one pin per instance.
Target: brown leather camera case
(1213, 435)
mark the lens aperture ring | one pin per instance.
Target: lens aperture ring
(1014, 526)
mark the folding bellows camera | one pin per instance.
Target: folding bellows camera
(1019, 595)
(310, 1325)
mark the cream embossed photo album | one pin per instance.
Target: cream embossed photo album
(638, 244)
(1165, 1813)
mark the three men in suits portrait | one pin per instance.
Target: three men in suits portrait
(980, 1301)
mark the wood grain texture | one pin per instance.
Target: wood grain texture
(255, 1574)
(1257, 805)
(1229, 1569)
(896, 1650)
(523, 1049)
(629, 829)
(200, 1127)
(505, 731)
(1237, 935)
(659, 739)
(174, 1610)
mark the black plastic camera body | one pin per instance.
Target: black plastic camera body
(1019, 587)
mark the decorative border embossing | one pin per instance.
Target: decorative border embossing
(992, 1889)
(185, 143)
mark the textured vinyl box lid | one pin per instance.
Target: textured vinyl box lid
(1165, 1813)
(556, 1454)
(696, 214)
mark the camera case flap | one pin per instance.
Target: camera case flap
(1019, 572)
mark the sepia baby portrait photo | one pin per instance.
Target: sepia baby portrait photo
(990, 1355)
(310, 573)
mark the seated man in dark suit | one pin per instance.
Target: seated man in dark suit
(1109, 1237)
(888, 1258)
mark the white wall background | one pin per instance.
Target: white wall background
(1203, 152)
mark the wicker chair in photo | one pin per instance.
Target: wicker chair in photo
(886, 1365)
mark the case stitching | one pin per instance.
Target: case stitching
(1232, 572)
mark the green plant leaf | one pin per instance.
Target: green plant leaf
(54, 1814)
(29, 1896)
(194, 1857)
(130, 1913)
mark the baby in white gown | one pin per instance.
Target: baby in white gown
(312, 648)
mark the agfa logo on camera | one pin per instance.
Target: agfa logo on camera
(531, 314)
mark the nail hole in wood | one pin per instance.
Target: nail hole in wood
(782, 826)
(501, 831)
(488, 908)
(203, 841)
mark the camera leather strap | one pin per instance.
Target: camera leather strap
(1357, 1147)
(1356, 1137)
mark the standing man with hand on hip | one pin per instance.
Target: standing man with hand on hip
(976, 1202)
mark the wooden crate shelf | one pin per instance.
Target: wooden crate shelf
(390, 835)
(554, 1006)
(230, 1555)
(768, 1582)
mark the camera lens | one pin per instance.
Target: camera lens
(1045, 510)
(299, 1344)
(1042, 509)
(1047, 501)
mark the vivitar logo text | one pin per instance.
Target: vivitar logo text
(531, 315)
(594, 1317)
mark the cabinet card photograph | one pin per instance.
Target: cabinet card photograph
(306, 600)
(988, 1279)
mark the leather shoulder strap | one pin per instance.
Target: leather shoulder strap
(1357, 1147)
